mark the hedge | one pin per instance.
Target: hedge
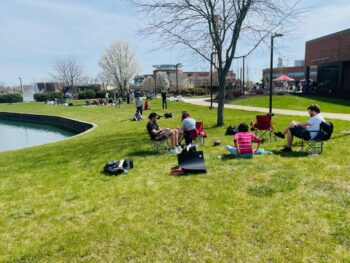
(11, 98)
(87, 94)
(192, 91)
(48, 96)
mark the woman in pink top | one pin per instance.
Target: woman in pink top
(243, 141)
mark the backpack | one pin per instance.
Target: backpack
(168, 115)
(118, 167)
(326, 130)
(231, 130)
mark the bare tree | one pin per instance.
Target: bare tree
(215, 27)
(118, 64)
(67, 71)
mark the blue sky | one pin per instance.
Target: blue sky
(33, 33)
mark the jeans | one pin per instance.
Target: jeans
(232, 149)
(164, 104)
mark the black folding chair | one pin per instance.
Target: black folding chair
(315, 145)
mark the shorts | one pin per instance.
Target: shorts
(300, 132)
(163, 135)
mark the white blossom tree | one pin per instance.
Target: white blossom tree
(163, 80)
(118, 65)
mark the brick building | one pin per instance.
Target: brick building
(331, 55)
(193, 77)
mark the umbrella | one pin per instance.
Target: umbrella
(283, 77)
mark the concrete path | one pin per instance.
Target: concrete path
(329, 115)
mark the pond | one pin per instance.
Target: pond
(17, 134)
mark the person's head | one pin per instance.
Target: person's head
(152, 116)
(243, 127)
(314, 109)
(185, 115)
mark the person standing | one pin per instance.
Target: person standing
(138, 104)
(164, 102)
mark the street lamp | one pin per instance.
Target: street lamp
(271, 70)
(243, 74)
(20, 81)
(211, 79)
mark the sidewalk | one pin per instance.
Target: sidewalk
(329, 115)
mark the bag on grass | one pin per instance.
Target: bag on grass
(231, 130)
(168, 115)
(116, 167)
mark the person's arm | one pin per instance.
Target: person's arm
(236, 145)
(257, 140)
(304, 124)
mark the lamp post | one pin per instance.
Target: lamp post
(155, 85)
(271, 70)
(211, 79)
(243, 74)
(177, 76)
(20, 82)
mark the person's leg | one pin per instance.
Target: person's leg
(291, 125)
(289, 139)
(231, 149)
(141, 111)
(172, 136)
(166, 104)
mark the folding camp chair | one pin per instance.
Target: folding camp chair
(201, 133)
(263, 127)
(161, 145)
(316, 145)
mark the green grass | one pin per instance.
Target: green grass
(57, 206)
(292, 102)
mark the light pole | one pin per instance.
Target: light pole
(211, 79)
(177, 76)
(243, 74)
(271, 71)
(20, 82)
(155, 85)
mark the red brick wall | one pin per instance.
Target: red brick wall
(328, 49)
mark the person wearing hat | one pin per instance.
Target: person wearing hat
(157, 133)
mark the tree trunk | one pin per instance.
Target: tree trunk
(221, 99)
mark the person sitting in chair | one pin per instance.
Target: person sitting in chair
(304, 130)
(188, 127)
(157, 133)
(243, 142)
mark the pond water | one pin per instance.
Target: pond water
(16, 134)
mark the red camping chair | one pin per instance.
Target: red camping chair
(263, 126)
(200, 132)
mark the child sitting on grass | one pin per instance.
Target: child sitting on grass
(243, 142)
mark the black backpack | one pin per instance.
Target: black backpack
(326, 130)
(231, 130)
(168, 115)
(118, 167)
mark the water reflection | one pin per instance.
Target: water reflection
(15, 134)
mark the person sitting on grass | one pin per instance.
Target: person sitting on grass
(303, 130)
(243, 142)
(157, 133)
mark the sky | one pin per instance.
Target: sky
(34, 33)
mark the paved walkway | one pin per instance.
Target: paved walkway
(205, 102)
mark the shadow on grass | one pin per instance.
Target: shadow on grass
(290, 154)
(142, 153)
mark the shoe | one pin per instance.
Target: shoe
(188, 147)
(179, 149)
(286, 149)
(174, 150)
(279, 134)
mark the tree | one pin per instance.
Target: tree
(118, 64)
(214, 26)
(163, 80)
(148, 84)
(67, 71)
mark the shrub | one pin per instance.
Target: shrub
(48, 96)
(87, 94)
(100, 94)
(192, 91)
(10, 98)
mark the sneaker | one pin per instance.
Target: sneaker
(179, 149)
(280, 135)
(286, 149)
(174, 150)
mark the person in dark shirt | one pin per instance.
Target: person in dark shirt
(157, 133)
(164, 102)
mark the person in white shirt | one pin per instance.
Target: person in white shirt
(304, 130)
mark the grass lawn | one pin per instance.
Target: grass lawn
(292, 102)
(57, 206)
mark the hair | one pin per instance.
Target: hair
(243, 127)
(152, 115)
(315, 108)
(185, 115)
